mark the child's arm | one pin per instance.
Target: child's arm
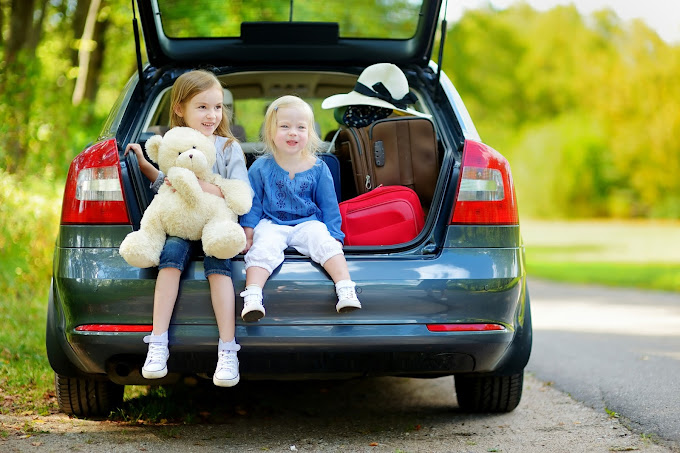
(145, 166)
(236, 193)
(211, 188)
(235, 170)
(251, 219)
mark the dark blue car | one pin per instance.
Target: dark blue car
(451, 301)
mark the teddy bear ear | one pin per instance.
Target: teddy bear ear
(152, 146)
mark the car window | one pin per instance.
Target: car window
(395, 19)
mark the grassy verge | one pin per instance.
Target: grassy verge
(29, 217)
(622, 254)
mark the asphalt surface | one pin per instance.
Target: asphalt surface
(373, 415)
(612, 349)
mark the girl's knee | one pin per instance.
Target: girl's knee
(266, 258)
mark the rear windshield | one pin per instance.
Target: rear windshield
(393, 19)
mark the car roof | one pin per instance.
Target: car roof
(280, 32)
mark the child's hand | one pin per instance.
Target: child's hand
(137, 149)
(210, 188)
(249, 239)
(145, 166)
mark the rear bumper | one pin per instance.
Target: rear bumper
(287, 352)
(302, 336)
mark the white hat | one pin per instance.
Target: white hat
(228, 97)
(380, 85)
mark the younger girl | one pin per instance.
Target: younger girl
(294, 205)
(196, 102)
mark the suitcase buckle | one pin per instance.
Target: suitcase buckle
(379, 153)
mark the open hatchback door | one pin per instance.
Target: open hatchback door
(352, 32)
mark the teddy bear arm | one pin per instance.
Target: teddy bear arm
(237, 194)
(185, 183)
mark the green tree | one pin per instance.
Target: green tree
(586, 109)
(40, 127)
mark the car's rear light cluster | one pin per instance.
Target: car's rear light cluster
(464, 327)
(93, 193)
(114, 328)
(486, 194)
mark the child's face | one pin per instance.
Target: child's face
(292, 130)
(203, 112)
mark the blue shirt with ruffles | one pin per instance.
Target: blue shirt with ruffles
(310, 195)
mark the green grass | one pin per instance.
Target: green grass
(614, 253)
(29, 218)
(664, 277)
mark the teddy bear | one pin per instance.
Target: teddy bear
(183, 209)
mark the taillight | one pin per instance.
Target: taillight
(93, 192)
(486, 194)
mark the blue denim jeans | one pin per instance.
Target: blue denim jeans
(177, 251)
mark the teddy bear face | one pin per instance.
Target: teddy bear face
(182, 147)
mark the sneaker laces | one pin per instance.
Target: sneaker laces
(346, 292)
(157, 353)
(226, 360)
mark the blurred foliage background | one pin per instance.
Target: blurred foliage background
(587, 109)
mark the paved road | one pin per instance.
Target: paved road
(381, 415)
(612, 349)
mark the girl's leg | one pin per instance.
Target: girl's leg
(256, 275)
(345, 288)
(253, 309)
(164, 298)
(266, 254)
(336, 266)
(313, 239)
(173, 260)
(222, 295)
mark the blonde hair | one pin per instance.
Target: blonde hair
(189, 85)
(269, 129)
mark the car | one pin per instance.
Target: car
(452, 301)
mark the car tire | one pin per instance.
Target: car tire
(86, 397)
(489, 393)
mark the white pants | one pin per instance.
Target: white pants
(310, 238)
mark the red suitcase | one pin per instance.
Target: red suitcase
(384, 216)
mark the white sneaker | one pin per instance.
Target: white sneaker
(253, 310)
(155, 366)
(226, 373)
(347, 297)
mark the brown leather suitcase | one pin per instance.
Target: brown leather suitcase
(393, 151)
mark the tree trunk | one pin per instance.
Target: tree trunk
(78, 25)
(2, 21)
(15, 85)
(85, 49)
(20, 28)
(36, 29)
(97, 60)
